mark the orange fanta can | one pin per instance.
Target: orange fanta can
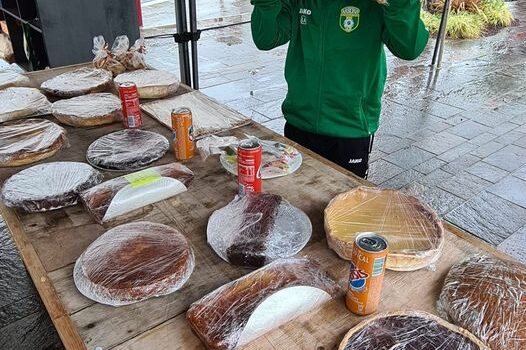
(183, 134)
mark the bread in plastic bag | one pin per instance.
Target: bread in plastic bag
(88, 110)
(10, 78)
(409, 330)
(150, 83)
(414, 231)
(126, 150)
(104, 57)
(133, 191)
(30, 140)
(257, 229)
(242, 310)
(49, 186)
(134, 262)
(487, 296)
(135, 57)
(22, 102)
(78, 82)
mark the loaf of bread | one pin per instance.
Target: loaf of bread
(88, 110)
(407, 330)
(134, 262)
(126, 150)
(10, 78)
(49, 186)
(242, 310)
(28, 141)
(487, 296)
(258, 228)
(78, 82)
(22, 102)
(133, 191)
(150, 83)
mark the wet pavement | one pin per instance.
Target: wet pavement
(456, 139)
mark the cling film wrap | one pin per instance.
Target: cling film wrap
(10, 78)
(88, 110)
(133, 191)
(212, 145)
(241, 311)
(78, 82)
(414, 232)
(487, 296)
(49, 186)
(126, 150)
(105, 58)
(257, 229)
(22, 102)
(409, 330)
(150, 83)
(29, 140)
(134, 262)
(135, 57)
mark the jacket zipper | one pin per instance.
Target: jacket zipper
(322, 66)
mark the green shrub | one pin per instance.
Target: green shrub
(496, 13)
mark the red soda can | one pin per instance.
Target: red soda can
(131, 110)
(182, 133)
(249, 154)
(367, 273)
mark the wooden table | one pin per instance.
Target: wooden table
(49, 244)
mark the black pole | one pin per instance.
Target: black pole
(441, 35)
(182, 25)
(195, 37)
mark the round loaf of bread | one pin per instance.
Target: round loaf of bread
(79, 82)
(150, 83)
(22, 102)
(88, 110)
(10, 78)
(28, 141)
(134, 262)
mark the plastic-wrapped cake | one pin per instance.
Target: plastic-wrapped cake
(134, 262)
(409, 330)
(150, 83)
(79, 82)
(88, 110)
(258, 228)
(128, 149)
(414, 231)
(10, 78)
(49, 186)
(22, 102)
(28, 141)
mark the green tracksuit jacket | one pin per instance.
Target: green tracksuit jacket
(336, 67)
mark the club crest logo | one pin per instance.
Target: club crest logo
(349, 18)
(358, 279)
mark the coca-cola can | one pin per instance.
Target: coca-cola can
(131, 109)
(249, 154)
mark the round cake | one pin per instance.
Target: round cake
(49, 186)
(128, 149)
(22, 102)
(9, 78)
(79, 82)
(150, 83)
(88, 110)
(28, 141)
(134, 262)
(414, 232)
(409, 330)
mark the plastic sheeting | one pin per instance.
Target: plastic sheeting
(411, 330)
(128, 149)
(242, 310)
(10, 78)
(208, 116)
(257, 229)
(88, 110)
(79, 82)
(133, 191)
(49, 186)
(414, 231)
(150, 83)
(28, 141)
(22, 102)
(134, 262)
(121, 57)
(487, 296)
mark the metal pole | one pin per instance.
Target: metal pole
(441, 36)
(195, 57)
(182, 25)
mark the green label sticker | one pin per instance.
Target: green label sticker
(143, 177)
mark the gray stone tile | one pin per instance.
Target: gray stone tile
(511, 188)
(487, 171)
(276, 125)
(503, 128)
(521, 142)
(402, 179)
(515, 245)
(456, 119)
(457, 151)
(460, 164)
(439, 200)
(509, 158)
(440, 143)
(18, 310)
(487, 149)
(438, 109)
(488, 117)
(271, 110)
(483, 138)
(421, 134)
(429, 165)
(376, 154)
(520, 173)
(520, 119)
(408, 157)
(390, 143)
(434, 178)
(510, 137)
(465, 185)
(469, 129)
(381, 171)
(514, 109)
(489, 217)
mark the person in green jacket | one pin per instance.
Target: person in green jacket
(336, 67)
